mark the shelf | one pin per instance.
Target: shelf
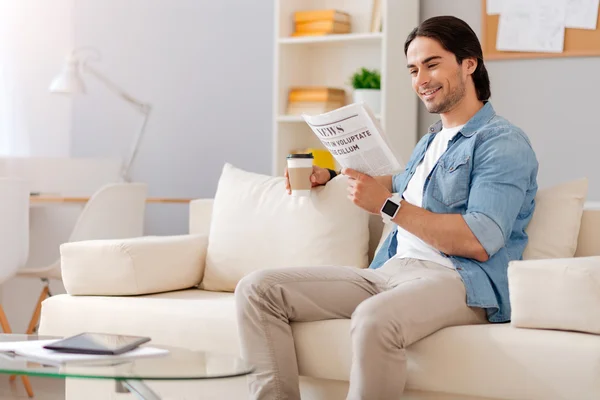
(290, 118)
(346, 37)
(297, 118)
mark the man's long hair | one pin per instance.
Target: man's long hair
(457, 37)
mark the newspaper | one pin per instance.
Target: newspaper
(355, 139)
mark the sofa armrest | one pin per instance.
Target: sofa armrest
(200, 216)
(134, 266)
(561, 294)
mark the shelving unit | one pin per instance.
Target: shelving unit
(331, 60)
(348, 37)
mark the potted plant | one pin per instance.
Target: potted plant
(367, 88)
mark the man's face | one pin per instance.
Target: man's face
(438, 79)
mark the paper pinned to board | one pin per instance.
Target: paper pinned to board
(582, 14)
(532, 25)
(494, 7)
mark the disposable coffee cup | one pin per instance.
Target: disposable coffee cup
(300, 168)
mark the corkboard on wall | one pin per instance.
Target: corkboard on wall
(578, 42)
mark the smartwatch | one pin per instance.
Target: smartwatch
(390, 208)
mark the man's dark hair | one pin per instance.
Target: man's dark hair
(457, 37)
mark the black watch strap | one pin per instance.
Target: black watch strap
(332, 173)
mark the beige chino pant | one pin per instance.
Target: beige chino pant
(390, 308)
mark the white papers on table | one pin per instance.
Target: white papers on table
(23, 345)
(532, 25)
(494, 7)
(582, 14)
(33, 350)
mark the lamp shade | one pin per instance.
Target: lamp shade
(69, 80)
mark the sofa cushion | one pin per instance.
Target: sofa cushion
(554, 227)
(492, 360)
(256, 225)
(193, 319)
(132, 266)
(556, 294)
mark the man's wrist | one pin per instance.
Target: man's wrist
(332, 173)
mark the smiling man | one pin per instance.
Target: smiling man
(460, 210)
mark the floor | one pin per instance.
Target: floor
(43, 388)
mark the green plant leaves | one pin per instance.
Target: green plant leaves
(366, 79)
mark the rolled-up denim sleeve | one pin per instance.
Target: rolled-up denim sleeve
(486, 231)
(503, 168)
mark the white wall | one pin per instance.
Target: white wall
(206, 67)
(35, 37)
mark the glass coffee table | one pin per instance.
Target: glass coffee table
(178, 364)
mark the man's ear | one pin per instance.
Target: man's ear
(470, 64)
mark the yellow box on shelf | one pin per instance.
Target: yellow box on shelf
(322, 157)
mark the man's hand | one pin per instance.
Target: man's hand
(365, 191)
(320, 176)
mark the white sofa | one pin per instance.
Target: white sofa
(496, 361)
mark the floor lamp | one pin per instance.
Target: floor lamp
(70, 82)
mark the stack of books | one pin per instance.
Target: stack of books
(321, 22)
(315, 100)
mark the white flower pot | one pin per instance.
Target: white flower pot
(371, 97)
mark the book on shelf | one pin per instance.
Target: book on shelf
(321, 22)
(320, 33)
(315, 99)
(376, 23)
(318, 15)
(322, 26)
(312, 107)
(316, 94)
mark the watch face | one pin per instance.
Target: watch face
(390, 208)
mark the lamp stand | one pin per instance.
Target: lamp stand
(142, 108)
(135, 147)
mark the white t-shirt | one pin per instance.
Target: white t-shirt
(410, 246)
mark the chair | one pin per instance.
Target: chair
(14, 239)
(115, 211)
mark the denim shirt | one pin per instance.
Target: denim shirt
(488, 175)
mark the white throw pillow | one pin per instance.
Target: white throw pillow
(556, 294)
(554, 228)
(256, 225)
(133, 266)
